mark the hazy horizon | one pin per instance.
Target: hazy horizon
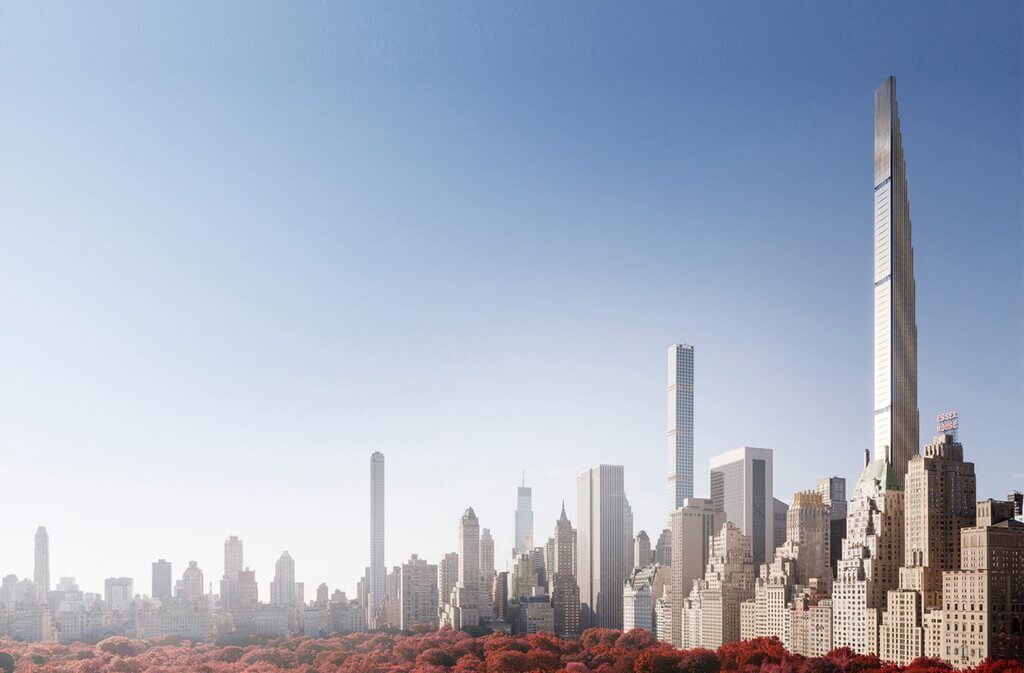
(241, 251)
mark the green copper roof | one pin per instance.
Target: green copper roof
(881, 471)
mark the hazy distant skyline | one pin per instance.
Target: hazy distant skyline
(242, 247)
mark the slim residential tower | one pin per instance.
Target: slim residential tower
(377, 569)
(680, 423)
(896, 415)
(41, 576)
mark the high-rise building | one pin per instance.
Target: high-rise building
(486, 553)
(728, 582)
(662, 552)
(693, 526)
(418, 594)
(897, 419)
(538, 561)
(565, 592)
(248, 590)
(680, 423)
(191, 587)
(833, 494)
(872, 553)
(642, 550)
(162, 582)
(41, 576)
(523, 578)
(487, 571)
(118, 593)
(282, 589)
(524, 520)
(983, 602)
(600, 547)
(234, 560)
(465, 606)
(940, 496)
(499, 597)
(627, 537)
(741, 486)
(377, 567)
(447, 577)
(638, 599)
(800, 565)
(779, 511)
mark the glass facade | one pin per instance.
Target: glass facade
(895, 348)
(680, 423)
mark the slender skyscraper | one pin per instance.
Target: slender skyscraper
(282, 589)
(896, 415)
(377, 569)
(680, 423)
(41, 576)
(233, 558)
(524, 519)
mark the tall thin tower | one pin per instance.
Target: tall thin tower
(41, 576)
(233, 558)
(524, 519)
(377, 569)
(896, 414)
(680, 423)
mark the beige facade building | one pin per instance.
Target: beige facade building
(931, 622)
(464, 607)
(802, 561)
(872, 554)
(417, 595)
(939, 500)
(983, 602)
(692, 527)
(810, 625)
(565, 592)
(713, 606)
(447, 576)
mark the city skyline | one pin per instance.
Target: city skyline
(288, 401)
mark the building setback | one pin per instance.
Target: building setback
(693, 526)
(940, 494)
(872, 552)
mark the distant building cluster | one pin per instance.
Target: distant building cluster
(909, 564)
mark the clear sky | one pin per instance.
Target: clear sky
(244, 245)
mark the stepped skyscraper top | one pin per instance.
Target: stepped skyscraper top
(896, 414)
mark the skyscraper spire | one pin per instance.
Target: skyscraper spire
(896, 414)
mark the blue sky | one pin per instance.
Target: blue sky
(243, 246)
